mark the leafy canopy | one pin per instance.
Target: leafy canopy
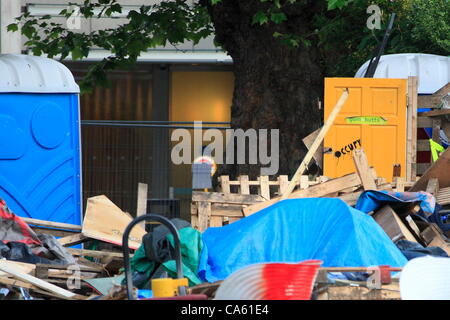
(340, 31)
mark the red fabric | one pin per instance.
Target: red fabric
(16, 230)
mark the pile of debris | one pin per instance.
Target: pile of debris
(413, 214)
(40, 259)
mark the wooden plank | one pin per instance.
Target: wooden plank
(424, 122)
(283, 182)
(95, 254)
(443, 196)
(264, 189)
(363, 169)
(204, 215)
(51, 224)
(19, 266)
(106, 222)
(439, 241)
(400, 184)
(412, 102)
(436, 130)
(431, 101)
(392, 224)
(194, 215)
(350, 198)
(225, 184)
(309, 140)
(73, 239)
(435, 113)
(439, 170)
(413, 226)
(433, 186)
(15, 283)
(218, 209)
(230, 198)
(244, 187)
(216, 221)
(65, 294)
(315, 145)
(391, 292)
(319, 190)
(142, 196)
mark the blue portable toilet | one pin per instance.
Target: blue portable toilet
(39, 139)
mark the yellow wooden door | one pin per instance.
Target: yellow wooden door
(374, 118)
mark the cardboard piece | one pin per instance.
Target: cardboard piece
(105, 221)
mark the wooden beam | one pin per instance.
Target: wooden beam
(363, 170)
(229, 198)
(435, 113)
(309, 140)
(51, 224)
(95, 254)
(323, 131)
(411, 135)
(392, 224)
(60, 292)
(72, 240)
(439, 170)
(431, 101)
(433, 186)
(142, 195)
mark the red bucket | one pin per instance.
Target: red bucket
(290, 281)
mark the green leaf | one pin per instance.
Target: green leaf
(13, 27)
(278, 17)
(260, 17)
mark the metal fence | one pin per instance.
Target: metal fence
(117, 155)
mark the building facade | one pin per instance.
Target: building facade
(126, 128)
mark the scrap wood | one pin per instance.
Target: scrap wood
(51, 224)
(315, 145)
(15, 283)
(363, 170)
(95, 254)
(106, 222)
(72, 240)
(392, 224)
(439, 169)
(335, 292)
(318, 190)
(308, 141)
(443, 196)
(48, 287)
(20, 266)
(434, 238)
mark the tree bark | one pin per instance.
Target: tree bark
(276, 86)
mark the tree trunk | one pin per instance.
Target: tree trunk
(276, 86)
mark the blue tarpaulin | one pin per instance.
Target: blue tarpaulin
(294, 230)
(374, 200)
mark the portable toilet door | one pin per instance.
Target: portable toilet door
(39, 139)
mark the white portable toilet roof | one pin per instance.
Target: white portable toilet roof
(33, 74)
(432, 70)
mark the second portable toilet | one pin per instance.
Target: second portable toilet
(39, 139)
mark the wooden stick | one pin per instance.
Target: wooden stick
(309, 155)
(363, 170)
(65, 294)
